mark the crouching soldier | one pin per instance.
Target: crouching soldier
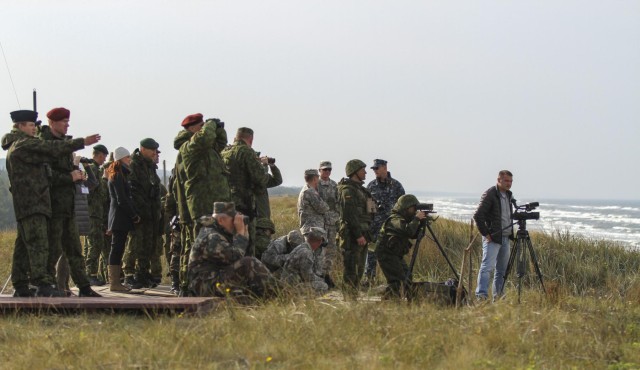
(303, 268)
(278, 250)
(393, 243)
(217, 260)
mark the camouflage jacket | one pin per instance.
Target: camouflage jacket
(385, 194)
(277, 253)
(354, 204)
(181, 177)
(328, 191)
(311, 208)
(99, 196)
(261, 195)
(245, 175)
(304, 266)
(145, 187)
(63, 189)
(206, 176)
(29, 171)
(395, 234)
(215, 249)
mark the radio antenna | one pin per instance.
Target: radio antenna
(10, 77)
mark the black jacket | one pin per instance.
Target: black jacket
(121, 209)
(488, 216)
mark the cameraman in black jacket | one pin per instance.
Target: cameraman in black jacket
(493, 218)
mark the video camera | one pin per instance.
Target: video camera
(87, 160)
(524, 212)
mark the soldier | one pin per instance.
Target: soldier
(218, 258)
(64, 238)
(245, 175)
(278, 251)
(202, 178)
(145, 191)
(264, 230)
(158, 251)
(171, 214)
(356, 206)
(98, 243)
(385, 191)
(261, 194)
(328, 190)
(311, 208)
(393, 243)
(303, 267)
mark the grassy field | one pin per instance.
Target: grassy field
(590, 319)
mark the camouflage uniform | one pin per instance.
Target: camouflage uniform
(261, 195)
(29, 175)
(278, 251)
(311, 208)
(98, 244)
(145, 191)
(170, 213)
(218, 261)
(393, 243)
(303, 268)
(185, 222)
(354, 203)
(385, 194)
(328, 191)
(264, 229)
(158, 252)
(63, 230)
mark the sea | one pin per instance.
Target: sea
(617, 220)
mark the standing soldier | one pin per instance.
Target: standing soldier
(29, 174)
(145, 191)
(263, 209)
(385, 191)
(171, 215)
(303, 267)
(63, 230)
(245, 175)
(328, 190)
(98, 243)
(356, 207)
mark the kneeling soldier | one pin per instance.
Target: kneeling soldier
(278, 250)
(393, 243)
(303, 268)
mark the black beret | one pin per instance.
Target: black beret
(101, 148)
(149, 143)
(24, 116)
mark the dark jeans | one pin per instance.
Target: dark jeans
(118, 241)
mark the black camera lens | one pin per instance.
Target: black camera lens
(272, 160)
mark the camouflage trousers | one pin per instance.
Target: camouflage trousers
(30, 253)
(187, 238)
(65, 240)
(354, 259)
(261, 243)
(97, 245)
(395, 271)
(175, 252)
(247, 274)
(330, 251)
(156, 257)
(140, 245)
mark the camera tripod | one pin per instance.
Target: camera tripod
(519, 257)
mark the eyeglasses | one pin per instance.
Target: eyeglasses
(326, 169)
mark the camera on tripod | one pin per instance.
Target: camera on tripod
(524, 212)
(425, 207)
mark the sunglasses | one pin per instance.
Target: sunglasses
(326, 169)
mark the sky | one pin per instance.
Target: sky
(448, 92)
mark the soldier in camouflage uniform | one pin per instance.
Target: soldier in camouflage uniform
(218, 257)
(393, 243)
(261, 195)
(264, 230)
(303, 267)
(385, 191)
(245, 175)
(278, 251)
(356, 206)
(98, 244)
(311, 208)
(157, 253)
(171, 214)
(201, 178)
(29, 173)
(328, 190)
(64, 238)
(145, 191)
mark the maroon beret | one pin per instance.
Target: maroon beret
(58, 114)
(192, 119)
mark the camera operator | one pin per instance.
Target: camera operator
(493, 218)
(393, 243)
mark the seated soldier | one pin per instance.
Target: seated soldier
(278, 250)
(217, 263)
(303, 268)
(264, 230)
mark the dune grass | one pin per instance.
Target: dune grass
(591, 319)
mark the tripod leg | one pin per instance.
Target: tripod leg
(512, 257)
(534, 260)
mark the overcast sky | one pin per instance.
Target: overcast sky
(449, 92)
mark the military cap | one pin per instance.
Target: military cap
(314, 232)
(265, 223)
(149, 143)
(101, 148)
(325, 164)
(120, 153)
(192, 119)
(353, 166)
(24, 116)
(294, 237)
(228, 208)
(377, 163)
(311, 172)
(58, 114)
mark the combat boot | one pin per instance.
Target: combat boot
(329, 281)
(86, 291)
(23, 291)
(49, 291)
(114, 283)
(145, 280)
(131, 281)
(175, 283)
(94, 281)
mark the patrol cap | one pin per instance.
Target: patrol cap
(377, 163)
(149, 143)
(314, 232)
(294, 237)
(192, 119)
(101, 148)
(58, 114)
(120, 153)
(24, 116)
(311, 172)
(265, 223)
(325, 164)
(228, 208)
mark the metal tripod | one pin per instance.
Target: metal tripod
(519, 257)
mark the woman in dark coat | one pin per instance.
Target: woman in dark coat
(122, 214)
